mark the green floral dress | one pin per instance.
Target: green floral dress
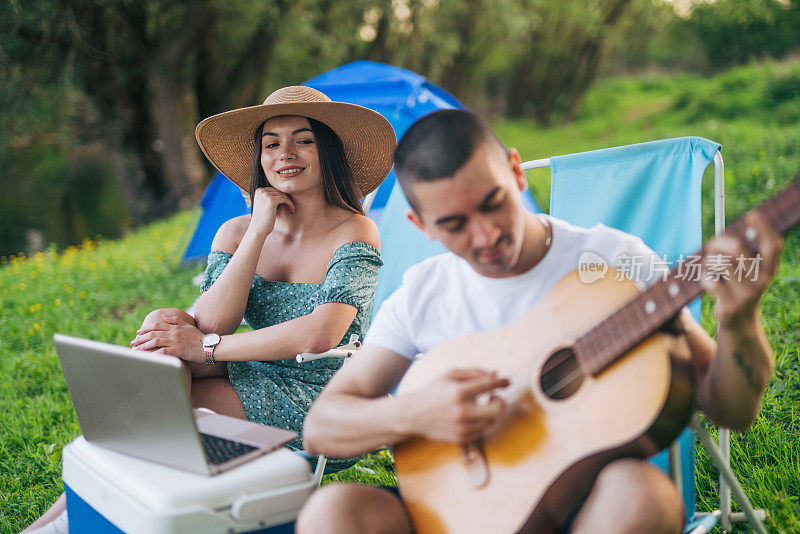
(280, 392)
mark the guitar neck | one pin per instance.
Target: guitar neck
(653, 308)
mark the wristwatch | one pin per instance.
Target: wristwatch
(209, 342)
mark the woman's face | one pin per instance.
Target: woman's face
(289, 155)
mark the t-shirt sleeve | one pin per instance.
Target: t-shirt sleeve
(351, 276)
(628, 255)
(391, 327)
(640, 263)
(217, 260)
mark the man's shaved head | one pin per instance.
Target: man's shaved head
(438, 145)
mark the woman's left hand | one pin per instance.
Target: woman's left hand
(171, 336)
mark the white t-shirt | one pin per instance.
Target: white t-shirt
(442, 297)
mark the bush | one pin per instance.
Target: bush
(735, 31)
(769, 92)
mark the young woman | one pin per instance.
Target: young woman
(301, 269)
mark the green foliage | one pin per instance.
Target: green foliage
(768, 92)
(653, 37)
(136, 77)
(737, 31)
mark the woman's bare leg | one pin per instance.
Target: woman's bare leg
(155, 317)
(209, 386)
(217, 394)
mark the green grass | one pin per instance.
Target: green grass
(103, 289)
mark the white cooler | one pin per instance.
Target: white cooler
(112, 492)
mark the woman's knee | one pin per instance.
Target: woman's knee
(155, 316)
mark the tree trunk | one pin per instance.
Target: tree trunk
(459, 76)
(173, 113)
(561, 62)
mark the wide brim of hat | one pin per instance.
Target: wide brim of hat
(368, 139)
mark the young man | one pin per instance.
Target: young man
(463, 188)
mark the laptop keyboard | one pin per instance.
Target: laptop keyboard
(220, 450)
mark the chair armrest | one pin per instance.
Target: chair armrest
(342, 351)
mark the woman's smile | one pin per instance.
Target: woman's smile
(289, 171)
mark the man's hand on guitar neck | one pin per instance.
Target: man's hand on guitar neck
(740, 289)
(456, 408)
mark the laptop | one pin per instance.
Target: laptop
(137, 403)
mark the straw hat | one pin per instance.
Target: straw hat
(368, 139)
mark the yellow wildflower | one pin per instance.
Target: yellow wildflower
(36, 326)
(58, 302)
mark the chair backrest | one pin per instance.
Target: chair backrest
(651, 190)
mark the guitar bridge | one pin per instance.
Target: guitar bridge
(476, 465)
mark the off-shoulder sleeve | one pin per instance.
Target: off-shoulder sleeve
(217, 260)
(351, 277)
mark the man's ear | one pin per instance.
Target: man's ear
(414, 217)
(519, 175)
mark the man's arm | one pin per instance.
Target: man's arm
(354, 413)
(733, 373)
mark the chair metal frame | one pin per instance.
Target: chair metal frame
(719, 452)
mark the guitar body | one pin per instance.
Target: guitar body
(544, 461)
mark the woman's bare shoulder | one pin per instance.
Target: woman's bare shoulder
(230, 234)
(358, 228)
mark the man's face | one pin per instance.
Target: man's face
(477, 213)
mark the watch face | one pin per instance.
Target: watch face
(210, 340)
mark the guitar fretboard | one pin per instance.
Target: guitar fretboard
(650, 310)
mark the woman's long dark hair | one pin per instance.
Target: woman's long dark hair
(337, 178)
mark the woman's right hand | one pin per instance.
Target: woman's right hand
(266, 202)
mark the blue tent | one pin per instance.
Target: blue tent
(221, 202)
(400, 95)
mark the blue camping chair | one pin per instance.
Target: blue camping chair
(653, 190)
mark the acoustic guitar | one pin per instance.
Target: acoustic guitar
(587, 388)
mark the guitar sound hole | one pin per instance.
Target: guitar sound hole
(561, 375)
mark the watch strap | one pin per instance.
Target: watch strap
(208, 352)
